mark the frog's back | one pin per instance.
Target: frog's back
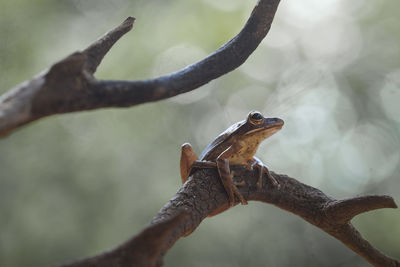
(220, 144)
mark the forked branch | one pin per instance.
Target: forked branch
(203, 194)
(69, 85)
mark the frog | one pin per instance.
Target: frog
(237, 145)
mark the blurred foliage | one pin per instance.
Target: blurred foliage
(77, 184)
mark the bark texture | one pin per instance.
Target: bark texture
(69, 85)
(203, 195)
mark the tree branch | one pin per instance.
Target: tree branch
(96, 52)
(69, 85)
(344, 210)
(142, 250)
(203, 195)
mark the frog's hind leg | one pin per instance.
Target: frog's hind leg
(188, 156)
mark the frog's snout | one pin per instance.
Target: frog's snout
(277, 121)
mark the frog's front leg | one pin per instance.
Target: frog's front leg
(257, 163)
(226, 175)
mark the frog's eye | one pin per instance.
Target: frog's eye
(255, 117)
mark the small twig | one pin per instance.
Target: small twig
(69, 85)
(65, 87)
(203, 195)
(96, 52)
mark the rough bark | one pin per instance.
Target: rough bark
(69, 85)
(203, 194)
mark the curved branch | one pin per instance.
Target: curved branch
(141, 250)
(203, 195)
(227, 58)
(69, 85)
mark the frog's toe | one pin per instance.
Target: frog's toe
(265, 170)
(240, 196)
(274, 182)
(242, 200)
(241, 183)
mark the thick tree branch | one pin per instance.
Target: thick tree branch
(142, 250)
(69, 85)
(203, 194)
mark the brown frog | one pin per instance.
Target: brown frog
(235, 146)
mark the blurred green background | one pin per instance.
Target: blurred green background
(78, 184)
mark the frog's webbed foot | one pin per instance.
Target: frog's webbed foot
(262, 169)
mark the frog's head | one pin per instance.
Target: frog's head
(250, 133)
(257, 127)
